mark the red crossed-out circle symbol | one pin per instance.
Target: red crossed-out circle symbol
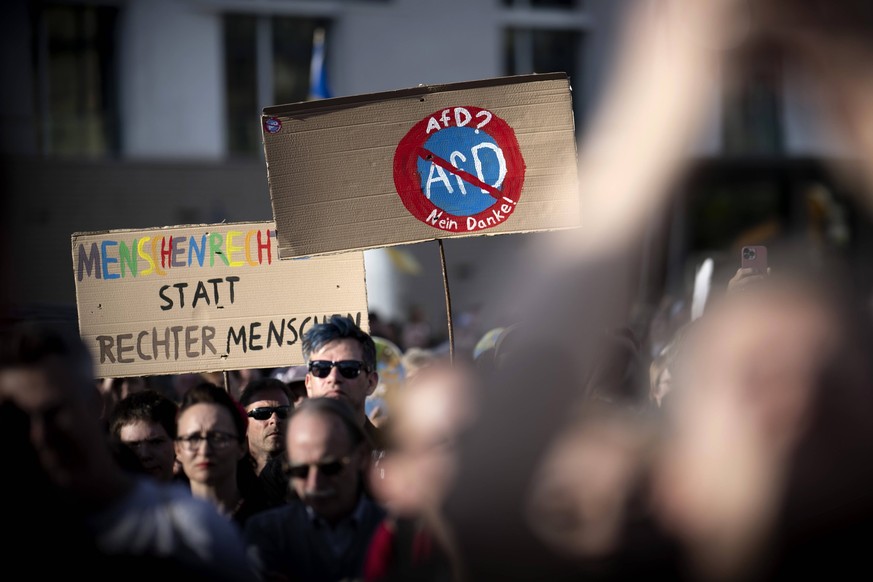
(412, 148)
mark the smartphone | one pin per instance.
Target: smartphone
(754, 257)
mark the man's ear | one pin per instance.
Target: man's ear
(307, 379)
(374, 381)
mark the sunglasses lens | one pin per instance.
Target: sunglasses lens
(320, 369)
(330, 469)
(327, 469)
(349, 369)
(266, 412)
(299, 472)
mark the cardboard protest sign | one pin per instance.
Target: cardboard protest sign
(204, 298)
(466, 159)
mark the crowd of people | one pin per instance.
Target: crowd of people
(737, 452)
(571, 443)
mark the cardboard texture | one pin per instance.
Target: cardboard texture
(481, 158)
(204, 298)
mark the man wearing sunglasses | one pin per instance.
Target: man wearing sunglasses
(341, 358)
(267, 405)
(341, 365)
(324, 534)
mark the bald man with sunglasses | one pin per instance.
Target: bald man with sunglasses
(323, 534)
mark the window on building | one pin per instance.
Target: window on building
(241, 78)
(528, 51)
(76, 79)
(541, 51)
(546, 36)
(267, 62)
(292, 55)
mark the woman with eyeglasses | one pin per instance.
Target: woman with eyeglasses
(211, 445)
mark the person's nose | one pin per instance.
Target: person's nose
(206, 445)
(335, 375)
(314, 478)
(143, 452)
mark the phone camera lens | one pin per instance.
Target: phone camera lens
(749, 254)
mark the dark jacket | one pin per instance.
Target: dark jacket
(285, 541)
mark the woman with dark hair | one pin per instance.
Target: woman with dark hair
(211, 445)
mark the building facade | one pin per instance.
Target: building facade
(144, 113)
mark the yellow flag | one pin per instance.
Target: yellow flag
(404, 261)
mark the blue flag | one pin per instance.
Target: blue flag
(318, 87)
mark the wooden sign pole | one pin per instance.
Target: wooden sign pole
(448, 301)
